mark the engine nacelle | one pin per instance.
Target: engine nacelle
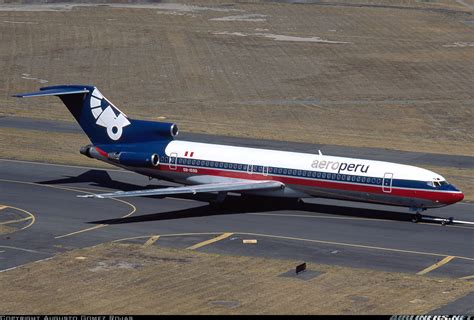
(136, 159)
(166, 129)
(86, 150)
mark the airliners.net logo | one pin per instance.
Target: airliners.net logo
(339, 166)
(432, 317)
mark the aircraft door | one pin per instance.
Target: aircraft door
(173, 160)
(387, 182)
(250, 168)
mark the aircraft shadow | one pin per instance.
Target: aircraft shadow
(99, 178)
(233, 204)
(241, 205)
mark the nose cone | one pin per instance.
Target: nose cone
(458, 197)
(451, 197)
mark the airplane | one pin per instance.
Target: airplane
(150, 148)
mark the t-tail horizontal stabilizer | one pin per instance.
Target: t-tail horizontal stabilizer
(102, 121)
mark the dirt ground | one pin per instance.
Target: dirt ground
(390, 74)
(135, 279)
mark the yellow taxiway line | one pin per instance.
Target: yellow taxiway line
(303, 240)
(81, 231)
(436, 265)
(15, 221)
(134, 209)
(31, 217)
(205, 243)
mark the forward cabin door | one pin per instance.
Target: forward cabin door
(173, 160)
(250, 169)
(387, 182)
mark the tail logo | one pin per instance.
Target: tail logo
(105, 115)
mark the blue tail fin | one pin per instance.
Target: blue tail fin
(101, 120)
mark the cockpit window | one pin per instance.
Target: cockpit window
(437, 183)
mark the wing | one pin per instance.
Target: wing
(211, 187)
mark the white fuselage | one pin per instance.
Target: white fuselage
(305, 175)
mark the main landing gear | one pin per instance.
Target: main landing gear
(418, 217)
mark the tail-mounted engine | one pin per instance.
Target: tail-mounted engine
(136, 159)
(132, 159)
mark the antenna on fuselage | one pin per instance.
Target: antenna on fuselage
(320, 153)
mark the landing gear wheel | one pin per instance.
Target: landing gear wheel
(447, 221)
(416, 218)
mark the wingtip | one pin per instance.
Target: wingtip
(86, 196)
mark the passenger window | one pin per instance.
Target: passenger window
(358, 179)
(198, 163)
(279, 170)
(299, 172)
(343, 177)
(363, 179)
(338, 177)
(225, 165)
(240, 167)
(318, 174)
(284, 171)
(379, 181)
(270, 169)
(304, 173)
(221, 164)
(323, 175)
(193, 162)
(207, 163)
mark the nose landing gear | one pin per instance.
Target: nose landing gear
(418, 217)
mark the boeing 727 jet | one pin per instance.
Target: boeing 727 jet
(149, 148)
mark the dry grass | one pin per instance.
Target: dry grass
(397, 84)
(132, 279)
(52, 147)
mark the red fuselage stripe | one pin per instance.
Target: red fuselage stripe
(443, 197)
